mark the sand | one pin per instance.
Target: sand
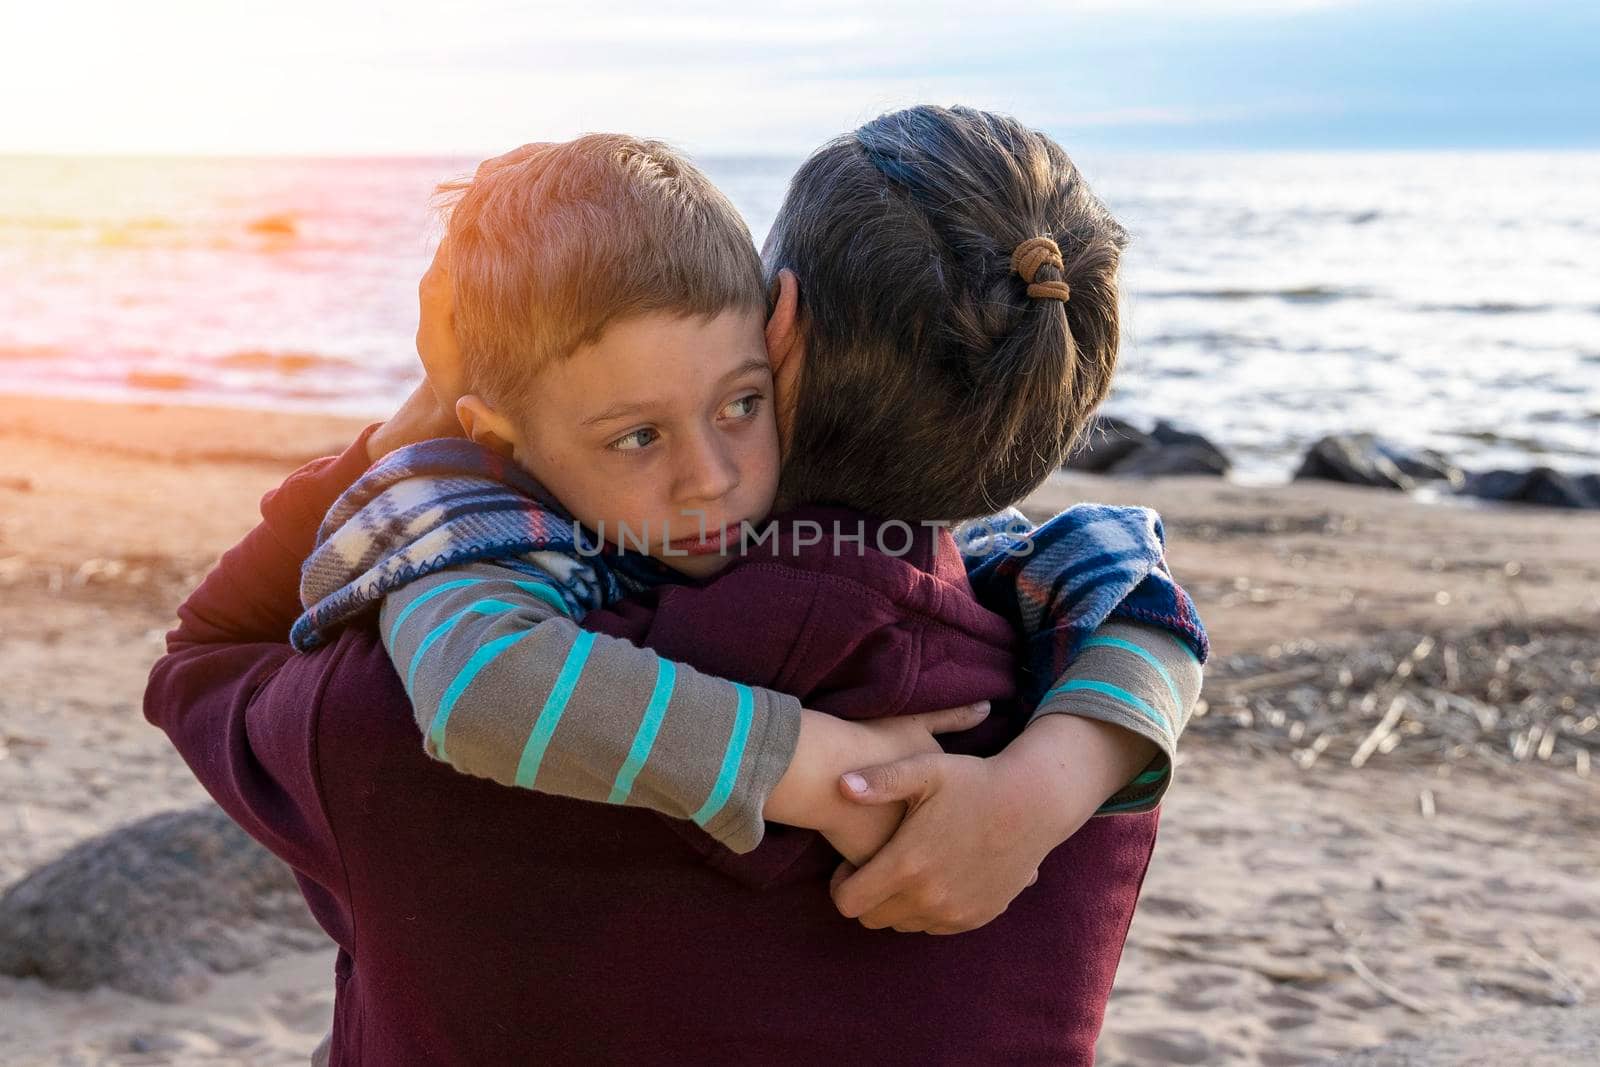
(1287, 916)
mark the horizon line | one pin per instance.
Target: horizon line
(780, 155)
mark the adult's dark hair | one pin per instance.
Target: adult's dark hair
(934, 386)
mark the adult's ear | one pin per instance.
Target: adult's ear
(783, 323)
(786, 350)
(486, 426)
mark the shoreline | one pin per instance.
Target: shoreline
(42, 414)
(1270, 877)
(1252, 476)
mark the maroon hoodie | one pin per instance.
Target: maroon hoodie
(479, 924)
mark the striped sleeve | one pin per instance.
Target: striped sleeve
(1142, 678)
(505, 685)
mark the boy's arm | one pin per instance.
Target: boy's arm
(946, 869)
(1141, 684)
(1141, 680)
(506, 686)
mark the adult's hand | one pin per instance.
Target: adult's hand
(808, 795)
(436, 337)
(422, 417)
(858, 831)
(970, 842)
(976, 830)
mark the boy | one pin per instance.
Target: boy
(619, 356)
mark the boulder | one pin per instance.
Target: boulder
(1354, 459)
(1541, 485)
(1160, 461)
(154, 908)
(1423, 465)
(1107, 440)
(1115, 447)
(1173, 451)
(1166, 433)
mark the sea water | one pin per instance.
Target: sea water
(1445, 300)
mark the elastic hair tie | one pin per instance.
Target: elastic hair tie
(1032, 254)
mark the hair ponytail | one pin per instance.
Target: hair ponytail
(959, 283)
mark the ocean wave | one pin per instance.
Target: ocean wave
(107, 233)
(28, 352)
(1489, 307)
(1213, 340)
(139, 233)
(1328, 216)
(44, 222)
(1300, 294)
(288, 363)
(1521, 442)
(279, 225)
(271, 231)
(160, 381)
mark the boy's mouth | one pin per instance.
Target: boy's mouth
(713, 542)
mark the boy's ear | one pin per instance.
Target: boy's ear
(486, 426)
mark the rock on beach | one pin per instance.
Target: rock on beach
(1106, 442)
(1353, 459)
(1116, 447)
(1541, 485)
(154, 908)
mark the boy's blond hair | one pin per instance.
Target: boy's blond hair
(553, 245)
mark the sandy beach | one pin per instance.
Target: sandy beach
(1297, 907)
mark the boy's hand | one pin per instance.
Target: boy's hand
(808, 793)
(859, 831)
(421, 418)
(858, 835)
(976, 830)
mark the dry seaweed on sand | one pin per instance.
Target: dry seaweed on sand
(1500, 694)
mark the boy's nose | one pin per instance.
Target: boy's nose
(709, 472)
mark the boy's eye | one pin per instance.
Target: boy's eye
(634, 441)
(742, 408)
(745, 405)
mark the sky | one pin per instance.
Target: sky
(324, 77)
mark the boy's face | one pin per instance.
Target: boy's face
(664, 424)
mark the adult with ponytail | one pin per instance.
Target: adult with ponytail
(943, 290)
